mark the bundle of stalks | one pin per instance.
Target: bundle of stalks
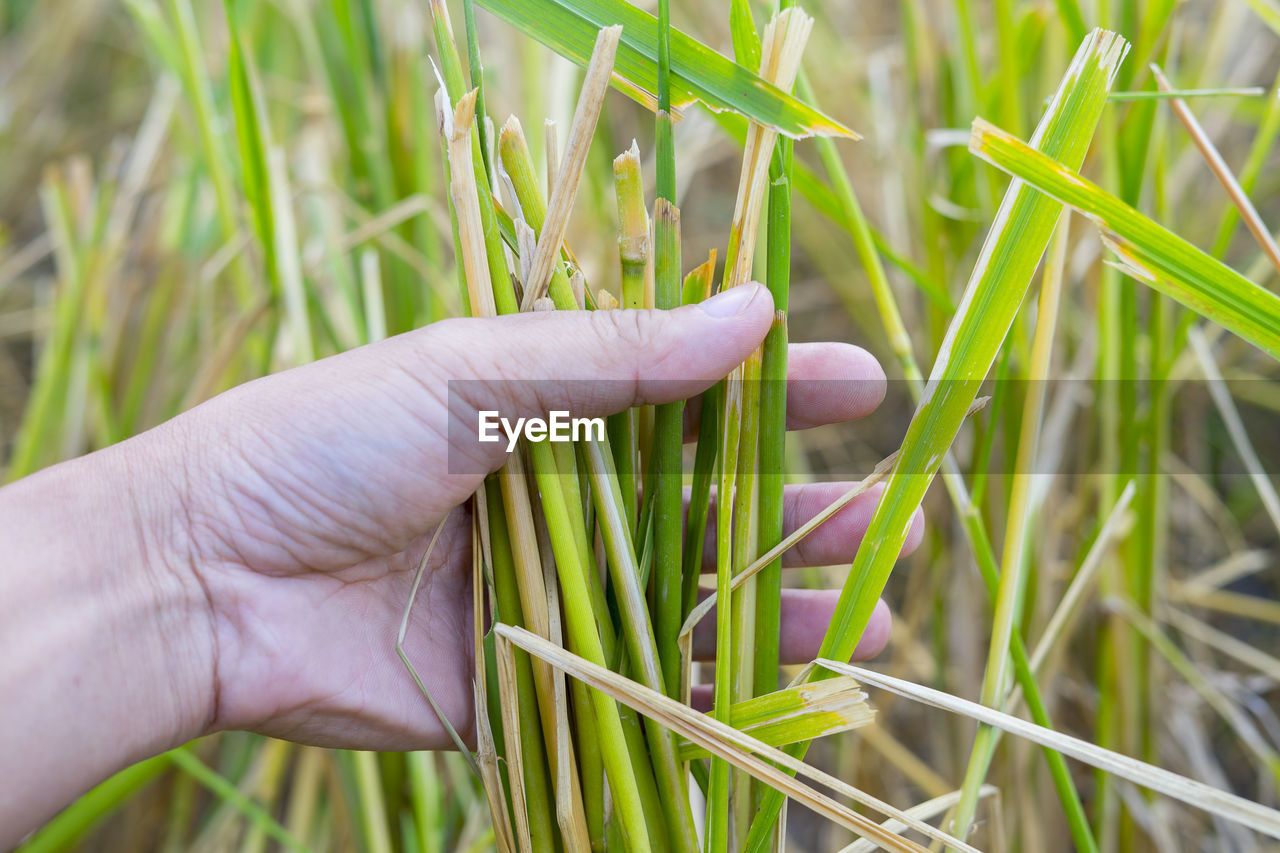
(584, 547)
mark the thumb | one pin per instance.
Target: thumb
(360, 453)
(587, 363)
(600, 362)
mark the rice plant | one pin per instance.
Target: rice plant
(1044, 201)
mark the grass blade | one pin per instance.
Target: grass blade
(697, 72)
(996, 289)
(1189, 791)
(1145, 249)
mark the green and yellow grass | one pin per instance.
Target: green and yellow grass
(194, 193)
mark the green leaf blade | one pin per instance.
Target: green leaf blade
(999, 283)
(569, 27)
(1144, 249)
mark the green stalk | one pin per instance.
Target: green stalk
(633, 226)
(697, 287)
(273, 761)
(476, 69)
(515, 158)
(641, 645)
(373, 809)
(532, 584)
(1077, 821)
(537, 782)
(229, 793)
(1072, 19)
(718, 786)
(704, 471)
(668, 428)
(668, 441)
(1148, 251)
(773, 426)
(584, 636)
(999, 280)
(456, 87)
(38, 441)
(803, 712)
(516, 161)
(634, 253)
(427, 801)
(73, 823)
(864, 244)
(742, 608)
(591, 762)
(513, 151)
(1007, 39)
(195, 77)
(634, 730)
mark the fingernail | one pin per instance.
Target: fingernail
(730, 302)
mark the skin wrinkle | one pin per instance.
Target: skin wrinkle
(308, 501)
(183, 500)
(287, 484)
(431, 388)
(311, 503)
(171, 559)
(248, 622)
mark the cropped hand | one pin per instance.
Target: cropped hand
(271, 534)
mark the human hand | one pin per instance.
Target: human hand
(246, 565)
(307, 499)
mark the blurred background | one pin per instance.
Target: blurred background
(137, 278)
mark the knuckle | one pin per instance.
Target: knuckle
(631, 329)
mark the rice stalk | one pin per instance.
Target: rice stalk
(1222, 642)
(609, 497)
(731, 745)
(997, 284)
(1056, 628)
(1235, 426)
(697, 72)
(782, 44)
(565, 190)
(802, 712)
(848, 209)
(187, 761)
(377, 835)
(1266, 757)
(773, 413)
(1220, 170)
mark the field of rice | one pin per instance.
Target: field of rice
(1051, 223)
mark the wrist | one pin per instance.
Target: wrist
(108, 652)
(159, 594)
